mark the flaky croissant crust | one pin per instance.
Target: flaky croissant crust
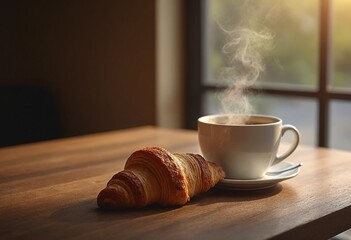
(154, 176)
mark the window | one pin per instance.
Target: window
(304, 49)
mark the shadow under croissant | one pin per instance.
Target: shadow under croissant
(87, 211)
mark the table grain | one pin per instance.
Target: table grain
(48, 191)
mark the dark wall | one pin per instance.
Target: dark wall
(95, 58)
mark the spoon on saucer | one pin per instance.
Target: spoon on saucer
(278, 171)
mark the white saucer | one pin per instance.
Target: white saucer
(265, 182)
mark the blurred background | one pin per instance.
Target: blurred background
(75, 67)
(70, 68)
(306, 80)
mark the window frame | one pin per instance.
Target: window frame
(195, 88)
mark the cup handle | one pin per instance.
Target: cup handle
(292, 148)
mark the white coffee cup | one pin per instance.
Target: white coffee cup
(244, 151)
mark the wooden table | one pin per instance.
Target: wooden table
(48, 191)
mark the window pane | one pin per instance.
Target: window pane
(340, 125)
(290, 57)
(341, 45)
(300, 112)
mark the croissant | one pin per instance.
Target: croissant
(154, 176)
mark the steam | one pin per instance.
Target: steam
(243, 49)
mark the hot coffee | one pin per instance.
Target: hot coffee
(245, 151)
(239, 120)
